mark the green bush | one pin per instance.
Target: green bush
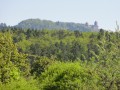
(20, 84)
(68, 76)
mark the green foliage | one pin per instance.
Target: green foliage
(68, 76)
(12, 63)
(20, 84)
(59, 60)
(41, 65)
(109, 71)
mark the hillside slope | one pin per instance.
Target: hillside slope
(47, 24)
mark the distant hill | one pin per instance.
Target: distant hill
(2, 25)
(47, 24)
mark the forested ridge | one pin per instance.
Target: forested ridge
(38, 24)
(59, 59)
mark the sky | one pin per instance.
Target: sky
(105, 12)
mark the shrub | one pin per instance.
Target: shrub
(68, 76)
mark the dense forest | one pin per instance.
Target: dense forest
(59, 59)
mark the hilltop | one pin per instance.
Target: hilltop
(50, 25)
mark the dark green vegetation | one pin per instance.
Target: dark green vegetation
(59, 60)
(47, 24)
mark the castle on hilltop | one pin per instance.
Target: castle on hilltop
(94, 26)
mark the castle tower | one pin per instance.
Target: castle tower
(95, 26)
(95, 23)
(86, 24)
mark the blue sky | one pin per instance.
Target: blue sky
(106, 12)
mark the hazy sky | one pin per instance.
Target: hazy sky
(106, 12)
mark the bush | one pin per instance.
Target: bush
(68, 76)
(20, 84)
